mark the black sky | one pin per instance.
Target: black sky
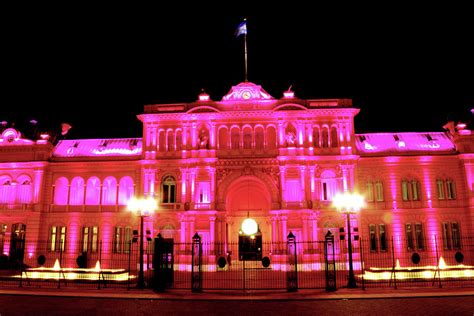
(407, 69)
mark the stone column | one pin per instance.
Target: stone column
(38, 181)
(281, 134)
(283, 185)
(194, 135)
(184, 179)
(284, 228)
(212, 136)
(303, 187)
(212, 172)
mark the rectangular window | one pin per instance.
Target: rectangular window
(440, 186)
(373, 237)
(118, 240)
(370, 192)
(415, 189)
(383, 237)
(409, 235)
(90, 239)
(3, 229)
(95, 239)
(420, 243)
(451, 190)
(405, 194)
(85, 239)
(57, 238)
(379, 192)
(127, 240)
(456, 235)
(446, 236)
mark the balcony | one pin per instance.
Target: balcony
(17, 206)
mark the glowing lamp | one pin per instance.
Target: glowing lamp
(204, 96)
(249, 226)
(289, 94)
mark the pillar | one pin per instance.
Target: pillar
(212, 232)
(283, 185)
(212, 172)
(284, 228)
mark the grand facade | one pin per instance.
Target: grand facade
(212, 164)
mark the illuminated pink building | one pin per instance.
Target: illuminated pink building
(211, 164)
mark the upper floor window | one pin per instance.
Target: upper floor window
(169, 190)
(378, 191)
(411, 190)
(446, 189)
(126, 190)
(61, 191)
(328, 185)
(369, 192)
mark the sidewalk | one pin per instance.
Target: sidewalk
(341, 294)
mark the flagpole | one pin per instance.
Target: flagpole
(245, 51)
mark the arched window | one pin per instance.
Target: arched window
(223, 138)
(259, 138)
(61, 191)
(109, 191)
(247, 138)
(316, 138)
(271, 137)
(334, 141)
(411, 190)
(170, 136)
(93, 191)
(24, 193)
(369, 193)
(162, 140)
(179, 140)
(77, 191)
(169, 190)
(6, 190)
(325, 136)
(235, 138)
(126, 190)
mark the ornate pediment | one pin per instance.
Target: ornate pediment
(247, 91)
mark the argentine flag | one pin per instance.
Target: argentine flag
(241, 29)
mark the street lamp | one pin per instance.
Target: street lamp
(142, 207)
(349, 203)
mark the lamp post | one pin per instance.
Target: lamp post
(142, 207)
(349, 203)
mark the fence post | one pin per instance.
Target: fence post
(292, 275)
(362, 263)
(437, 264)
(129, 257)
(60, 262)
(100, 264)
(330, 261)
(394, 270)
(196, 276)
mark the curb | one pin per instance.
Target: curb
(236, 296)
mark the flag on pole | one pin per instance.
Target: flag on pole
(241, 29)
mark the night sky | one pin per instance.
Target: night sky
(407, 69)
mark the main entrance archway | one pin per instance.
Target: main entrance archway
(247, 196)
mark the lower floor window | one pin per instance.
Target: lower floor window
(451, 235)
(90, 239)
(414, 236)
(57, 238)
(378, 237)
(122, 239)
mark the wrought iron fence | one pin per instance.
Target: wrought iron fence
(277, 265)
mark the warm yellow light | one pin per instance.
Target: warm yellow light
(348, 202)
(249, 226)
(97, 266)
(442, 264)
(142, 206)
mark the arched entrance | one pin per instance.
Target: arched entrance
(247, 196)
